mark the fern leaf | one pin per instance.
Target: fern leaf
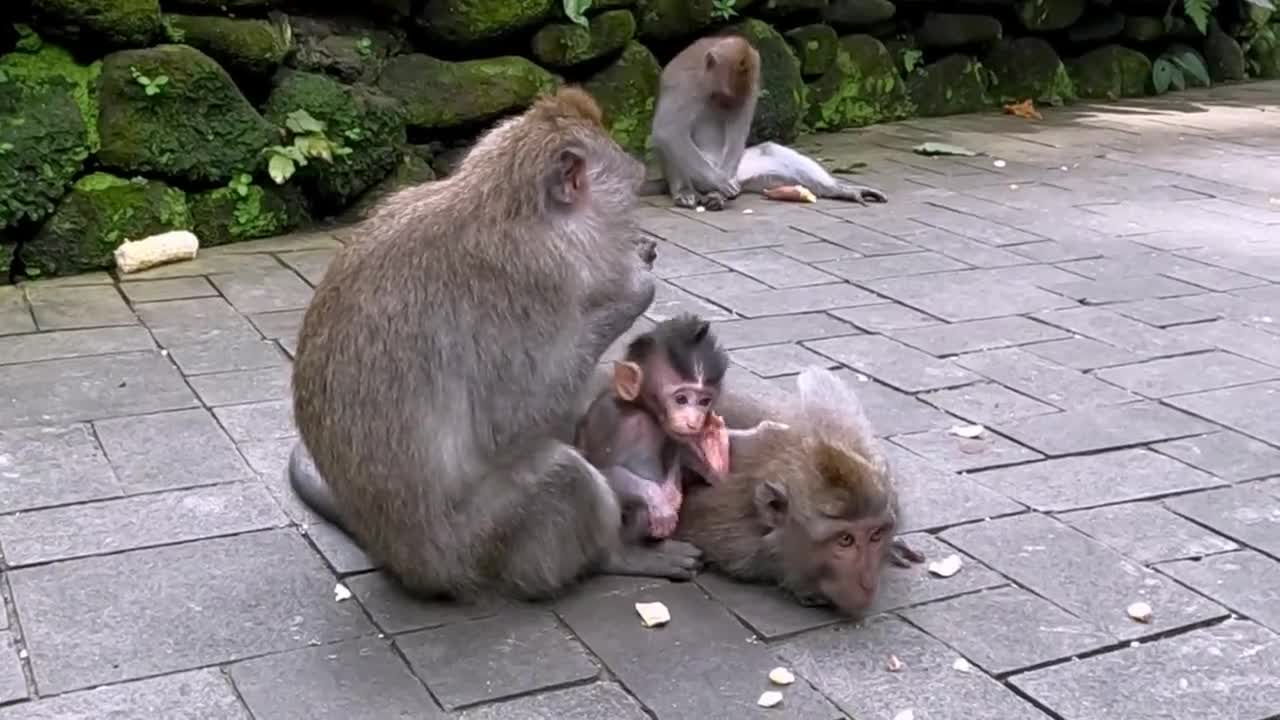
(1198, 12)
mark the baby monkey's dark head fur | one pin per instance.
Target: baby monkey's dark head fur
(677, 369)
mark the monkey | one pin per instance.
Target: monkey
(657, 418)
(442, 359)
(707, 98)
(809, 505)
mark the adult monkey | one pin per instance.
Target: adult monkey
(706, 102)
(809, 506)
(444, 352)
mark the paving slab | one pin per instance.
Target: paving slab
(1104, 304)
(240, 596)
(928, 685)
(1081, 575)
(1147, 532)
(1233, 665)
(361, 679)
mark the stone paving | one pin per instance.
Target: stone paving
(1100, 290)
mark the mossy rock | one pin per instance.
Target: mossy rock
(1224, 56)
(1096, 29)
(43, 145)
(858, 14)
(626, 91)
(342, 47)
(218, 6)
(252, 47)
(244, 212)
(466, 23)
(1264, 52)
(669, 20)
(414, 168)
(564, 45)
(1110, 72)
(441, 94)
(1046, 15)
(49, 64)
(780, 9)
(1026, 68)
(861, 88)
(952, 30)
(815, 47)
(110, 23)
(1143, 29)
(955, 84)
(368, 122)
(100, 213)
(780, 109)
(7, 252)
(198, 128)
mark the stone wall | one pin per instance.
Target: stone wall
(246, 118)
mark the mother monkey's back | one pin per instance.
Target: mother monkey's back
(447, 343)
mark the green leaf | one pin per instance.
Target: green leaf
(1264, 4)
(280, 168)
(911, 59)
(575, 9)
(1191, 64)
(294, 154)
(161, 79)
(935, 148)
(300, 121)
(1179, 80)
(1162, 75)
(314, 146)
(151, 89)
(1198, 12)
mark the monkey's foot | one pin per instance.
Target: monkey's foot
(714, 201)
(669, 559)
(648, 251)
(664, 500)
(902, 555)
(687, 199)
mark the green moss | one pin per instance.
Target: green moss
(626, 92)
(567, 44)
(224, 215)
(1110, 72)
(198, 128)
(255, 47)
(440, 94)
(463, 23)
(861, 88)
(815, 46)
(674, 19)
(358, 117)
(43, 145)
(48, 63)
(100, 213)
(781, 106)
(1028, 68)
(955, 84)
(117, 23)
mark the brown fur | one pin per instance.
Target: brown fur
(442, 358)
(830, 472)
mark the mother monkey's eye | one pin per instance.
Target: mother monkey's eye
(845, 540)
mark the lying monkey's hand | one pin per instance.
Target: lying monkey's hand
(648, 251)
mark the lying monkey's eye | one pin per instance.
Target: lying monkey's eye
(845, 540)
(682, 400)
(875, 536)
(704, 402)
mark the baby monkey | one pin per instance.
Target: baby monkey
(655, 420)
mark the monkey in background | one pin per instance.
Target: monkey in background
(657, 418)
(442, 362)
(809, 506)
(706, 102)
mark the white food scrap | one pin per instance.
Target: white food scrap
(967, 431)
(748, 211)
(781, 676)
(769, 698)
(947, 566)
(999, 163)
(653, 614)
(1141, 612)
(894, 664)
(961, 665)
(340, 593)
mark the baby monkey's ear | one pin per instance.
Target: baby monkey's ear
(627, 380)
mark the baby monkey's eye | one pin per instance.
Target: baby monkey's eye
(875, 536)
(845, 540)
(704, 402)
(682, 400)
